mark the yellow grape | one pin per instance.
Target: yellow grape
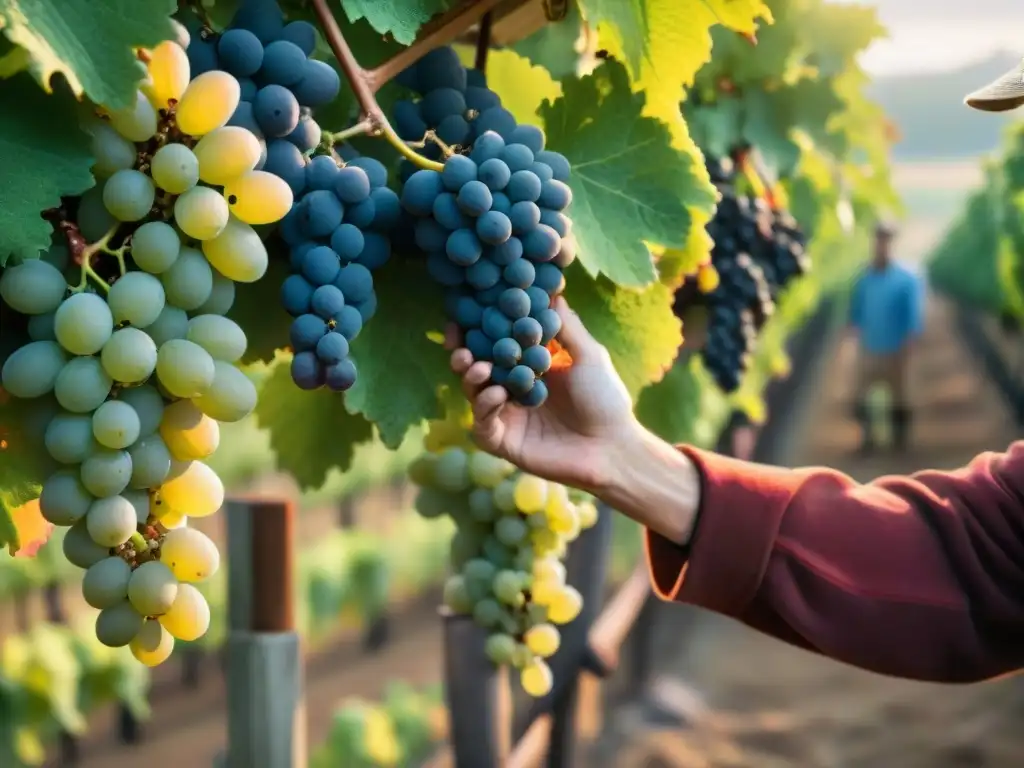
(197, 492)
(208, 103)
(564, 521)
(707, 278)
(536, 678)
(169, 74)
(188, 433)
(137, 122)
(227, 153)
(189, 617)
(190, 554)
(565, 605)
(586, 511)
(531, 494)
(549, 569)
(258, 197)
(238, 252)
(544, 591)
(201, 213)
(153, 645)
(543, 640)
(558, 498)
(172, 520)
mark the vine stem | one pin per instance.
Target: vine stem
(366, 83)
(91, 250)
(361, 128)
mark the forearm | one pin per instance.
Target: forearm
(653, 483)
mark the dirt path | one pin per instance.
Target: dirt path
(772, 706)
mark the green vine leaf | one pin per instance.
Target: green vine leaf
(630, 18)
(311, 432)
(638, 327)
(401, 19)
(553, 46)
(400, 368)
(90, 42)
(630, 185)
(44, 156)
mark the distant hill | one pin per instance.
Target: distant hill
(931, 115)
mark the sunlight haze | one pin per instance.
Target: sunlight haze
(935, 35)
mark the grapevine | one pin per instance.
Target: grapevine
(134, 349)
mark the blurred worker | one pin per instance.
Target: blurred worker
(886, 311)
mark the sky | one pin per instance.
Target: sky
(936, 35)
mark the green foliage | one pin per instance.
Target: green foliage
(980, 261)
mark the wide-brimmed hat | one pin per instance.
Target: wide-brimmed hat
(1002, 94)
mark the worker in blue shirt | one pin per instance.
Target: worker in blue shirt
(886, 314)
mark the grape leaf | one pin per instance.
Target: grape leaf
(257, 308)
(523, 86)
(629, 18)
(630, 186)
(31, 529)
(401, 19)
(717, 128)
(400, 368)
(638, 327)
(44, 156)
(311, 432)
(90, 42)
(684, 407)
(553, 45)
(674, 264)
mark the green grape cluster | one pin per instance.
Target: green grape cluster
(133, 374)
(507, 554)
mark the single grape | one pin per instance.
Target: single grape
(184, 368)
(456, 596)
(566, 605)
(172, 323)
(208, 103)
(222, 297)
(111, 521)
(115, 425)
(82, 385)
(105, 583)
(276, 111)
(118, 625)
(152, 588)
(79, 548)
(283, 63)
(306, 371)
(224, 339)
(151, 462)
(33, 370)
(285, 160)
(188, 618)
(187, 432)
(258, 197)
(148, 404)
(197, 491)
(152, 645)
(536, 678)
(341, 376)
(137, 299)
(238, 253)
(83, 324)
(112, 151)
(63, 499)
(190, 554)
(129, 195)
(201, 213)
(137, 122)
(187, 284)
(155, 246)
(500, 649)
(226, 154)
(174, 168)
(33, 287)
(319, 85)
(169, 72)
(69, 438)
(240, 51)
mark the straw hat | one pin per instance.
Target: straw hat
(1002, 94)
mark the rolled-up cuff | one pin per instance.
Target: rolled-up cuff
(740, 513)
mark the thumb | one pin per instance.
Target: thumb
(574, 336)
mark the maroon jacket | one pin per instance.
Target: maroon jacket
(919, 577)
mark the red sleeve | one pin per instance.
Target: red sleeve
(919, 577)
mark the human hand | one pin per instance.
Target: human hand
(576, 436)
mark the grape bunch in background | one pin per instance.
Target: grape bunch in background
(756, 253)
(492, 223)
(128, 353)
(512, 530)
(280, 83)
(337, 233)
